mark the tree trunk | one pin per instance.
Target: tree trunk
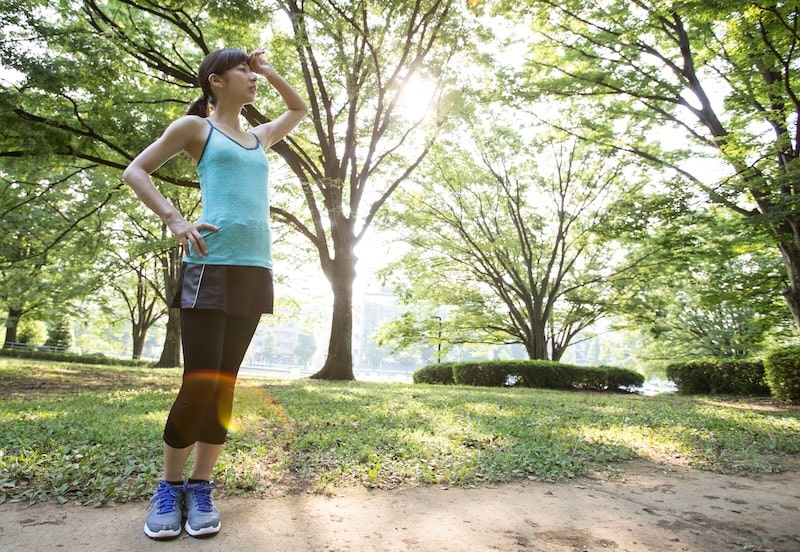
(171, 353)
(138, 334)
(341, 273)
(11, 326)
(790, 251)
(171, 267)
(536, 344)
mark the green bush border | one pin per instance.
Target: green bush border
(720, 376)
(782, 372)
(529, 373)
(73, 357)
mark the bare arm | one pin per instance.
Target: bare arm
(296, 108)
(179, 136)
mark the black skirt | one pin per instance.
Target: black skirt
(237, 290)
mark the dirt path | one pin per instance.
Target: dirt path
(652, 509)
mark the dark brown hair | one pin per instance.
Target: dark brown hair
(216, 62)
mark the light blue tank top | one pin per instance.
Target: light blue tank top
(234, 187)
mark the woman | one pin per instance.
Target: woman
(226, 276)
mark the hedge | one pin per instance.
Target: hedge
(434, 373)
(529, 373)
(782, 371)
(73, 357)
(720, 376)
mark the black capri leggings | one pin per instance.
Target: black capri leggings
(214, 345)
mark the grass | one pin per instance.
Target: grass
(92, 434)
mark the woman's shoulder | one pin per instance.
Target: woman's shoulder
(190, 123)
(187, 129)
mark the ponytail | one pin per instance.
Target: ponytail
(199, 107)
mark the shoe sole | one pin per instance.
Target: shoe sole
(163, 534)
(203, 531)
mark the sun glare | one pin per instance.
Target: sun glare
(416, 99)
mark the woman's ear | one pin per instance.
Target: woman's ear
(216, 81)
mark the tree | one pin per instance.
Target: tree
(357, 62)
(141, 299)
(721, 74)
(509, 248)
(59, 334)
(44, 263)
(305, 347)
(143, 246)
(713, 292)
(66, 133)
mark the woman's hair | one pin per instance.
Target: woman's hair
(216, 62)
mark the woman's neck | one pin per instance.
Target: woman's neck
(227, 117)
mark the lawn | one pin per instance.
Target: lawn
(91, 434)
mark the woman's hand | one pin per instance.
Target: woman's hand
(259, 65)
(189, 234)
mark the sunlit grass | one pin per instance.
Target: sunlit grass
(93, 434)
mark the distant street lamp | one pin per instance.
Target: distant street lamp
(439, 340)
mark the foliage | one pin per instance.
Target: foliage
(720, 376)
(59, 334)
(93, 359)
(100, 80)
(687, 86)
(782, 368)
(359, 62)
(31, 332)
(511, 250)
(484, 374)
(435, 373)
(305, 347)
(529, 373)
(710, 292)
(92, 435)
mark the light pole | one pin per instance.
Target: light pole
(439, 340)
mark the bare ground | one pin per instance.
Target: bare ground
(650, 508)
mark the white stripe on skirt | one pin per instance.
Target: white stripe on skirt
(199, 281)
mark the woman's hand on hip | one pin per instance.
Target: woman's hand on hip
(189, 234)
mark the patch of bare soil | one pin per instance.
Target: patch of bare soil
(649, 508)
(73, 378)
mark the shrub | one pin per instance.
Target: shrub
(529, 373)
(689, 379)
(782, 369)
(36, 354)
(483, 374)
(622, 378)
(719, 376)
(545, 375)
(435, 373)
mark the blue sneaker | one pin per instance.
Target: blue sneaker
(165, 512)
(202, 517)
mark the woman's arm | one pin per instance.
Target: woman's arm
(296, 108)
(179, 136)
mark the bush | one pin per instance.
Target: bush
(719, 376)
(529, 373)
(545, 375)
(482, 374)
(622, 378)
(434, 373)
(782, 370)
(59, 335)
(36, 354)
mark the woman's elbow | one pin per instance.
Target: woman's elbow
(131, 173)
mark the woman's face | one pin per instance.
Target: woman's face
(240, 83)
